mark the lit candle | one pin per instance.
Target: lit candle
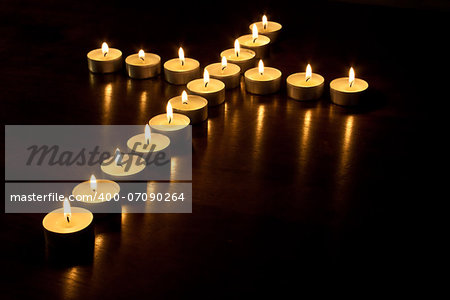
(143, 65)
(104, 60)
(193, 106)
(305, 86)
(181, 70)
(262, 80)
(68, 229)
(122, 164)
(229, 74)
(256, 42)
(97, 193)
(268, 28)
(211, 89)
(347, 91)
(244, 58)
(169, 122)
(148, 141)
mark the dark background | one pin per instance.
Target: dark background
(288, 196)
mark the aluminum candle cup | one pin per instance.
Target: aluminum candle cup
(267, 83)
(69, 238)
(196, 108)
(245, 60)
(176, 73)
(214, 92)
(298, 88)
(104, 60)
(143, 66)
(230, 75)
(343, 94)
(259, 45)
(271, 30)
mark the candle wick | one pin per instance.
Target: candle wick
(237, 54)
(265, 26)
(308, 78)
(141, 58)
(182, 62)
(206, 83)
(351, 83)
(223, 68)
(170, 120)
(254, 40)
(104, 54)
(68, 219)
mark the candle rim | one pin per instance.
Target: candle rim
(117, 52)
(259, 23)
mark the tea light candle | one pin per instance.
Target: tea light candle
(262, 80)
(347, 91)
(143, 65)
(123, 164)
(229, 74)
(95, 191)
(104, 60)
(255, 42)
(211, 89)
(268, 28)
(244, 58)
(169, 122)
(68, 228)
(181, 70)
(305, 85)
(193, 106)
(148, 141)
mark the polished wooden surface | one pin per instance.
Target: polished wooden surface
(284, 193)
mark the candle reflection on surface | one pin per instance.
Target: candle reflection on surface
(107, 99)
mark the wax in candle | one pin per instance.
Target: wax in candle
(302, 87)
(266, 83)
(347, 91)
(181, 70)
(129, 165)
(268, 28)
(229, 75)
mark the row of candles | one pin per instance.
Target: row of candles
(190, 109)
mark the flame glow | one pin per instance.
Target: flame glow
(254, 33)
(169, 112)
(93, 183)
(118, 157)
(205, 77)
(141, 54)
(351, 77)
(184, 97)
(181, 56)
(261, 67)
(308, 73)
(224, 62)
(147, 134)
(67, 211)
(105, 48)
(264, 21)
(237, 48)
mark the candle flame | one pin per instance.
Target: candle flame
(351, 77)
(169, 112)
(308, 73)
(261, 67)
(105, 48)
(254, 32)
(264, 21)
(67, 211)
(93, 183)
(237, 48)
(184, 97)
(205, 77)
(141, 54)
(224, 62)
(147, 134)
(118, 157)
(181, 56)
